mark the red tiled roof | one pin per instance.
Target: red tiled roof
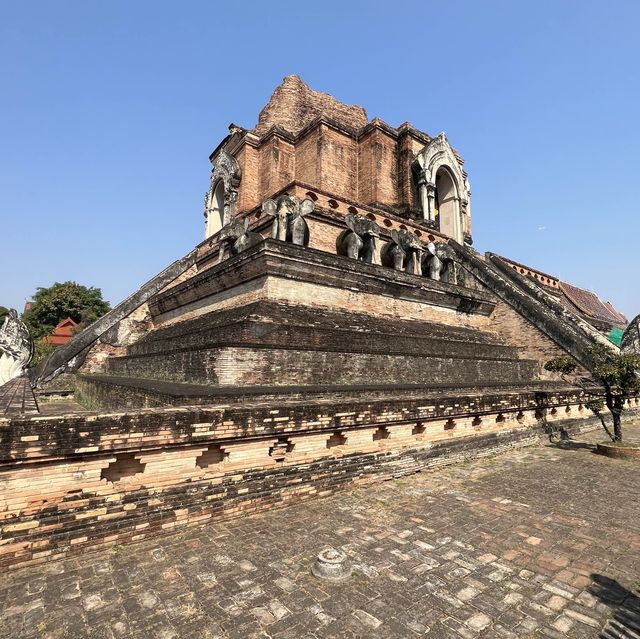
(591, 305)
(62, 333)
(617, 313)
(577, 300)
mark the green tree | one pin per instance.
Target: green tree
(617, 377)
(41, 350)
(68, 299)
(3, 311)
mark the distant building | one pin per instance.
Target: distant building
(62, 333)
(584, 303)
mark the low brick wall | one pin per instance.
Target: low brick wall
(74, 482)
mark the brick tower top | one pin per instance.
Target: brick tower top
(311, 140)
(294, 105)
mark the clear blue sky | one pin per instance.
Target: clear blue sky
(109, 110)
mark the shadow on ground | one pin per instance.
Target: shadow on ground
(625, 621)
(563, 441)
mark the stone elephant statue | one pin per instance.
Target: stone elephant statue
(236, 237)
(404, 252)
(361, 240)
(288, 215)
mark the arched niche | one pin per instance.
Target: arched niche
(215, 210)
(443, 190)
(220, 200)
(447, 203)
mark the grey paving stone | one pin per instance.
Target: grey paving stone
(537, 542)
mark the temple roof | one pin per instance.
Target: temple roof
(589, 304)
(575, 299)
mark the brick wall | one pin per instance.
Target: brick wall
(339, 163)
(76, 482)
(531, 342)
(364, 167)
(289, 367)
(248, 157)
(308, 158)
(277, 164)
(294, 105)
(377, 168)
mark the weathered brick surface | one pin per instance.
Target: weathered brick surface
(16, 396)
(74, 481)
(378, 168)
(311, 137)
(307, 277)
(530, 546)
(294, 105)
(338, 157)
(516, 330)
(274, 343)
(251, 366)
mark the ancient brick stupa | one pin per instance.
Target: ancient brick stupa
(335, 324)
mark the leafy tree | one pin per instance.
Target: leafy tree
(618, 378)
(52, 305)
(41, 350)
(3, 311)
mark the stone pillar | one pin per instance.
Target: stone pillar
(424, 202)
(431, 201)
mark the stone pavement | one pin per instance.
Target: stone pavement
(541, 542)
(16, 396)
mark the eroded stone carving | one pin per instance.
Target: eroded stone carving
(288, 215)
(456, 196)
(221, 198)
(16, 347)
(236, 237)
(438, 262)
(362, 239)
(433, 263)
(332, 564)
(630, 343)
(394, 256)
(404, 252)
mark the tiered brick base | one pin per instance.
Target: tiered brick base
(80, 481)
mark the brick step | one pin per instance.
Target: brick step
(286, 367)
(259, 333)
(121, 392)
(265, 319)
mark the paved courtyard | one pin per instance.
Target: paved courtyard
(542, 542)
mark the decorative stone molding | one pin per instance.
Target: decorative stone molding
(288, 214)
(436, 155)
(221, 198)
(16, 347)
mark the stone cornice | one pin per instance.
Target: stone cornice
(272, 258)
(250, 138)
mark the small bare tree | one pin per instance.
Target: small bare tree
(616, 377)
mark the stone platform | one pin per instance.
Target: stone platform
(16, 397)
(280, 316)
(540, 542)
